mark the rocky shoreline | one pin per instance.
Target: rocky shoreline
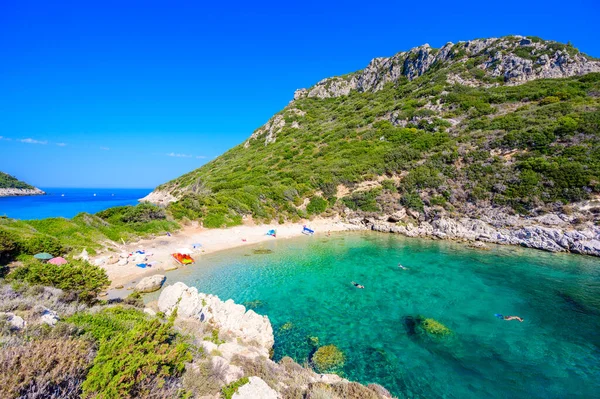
(18, 192)
(241, 345)
(550, 232)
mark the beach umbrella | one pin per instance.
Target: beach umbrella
(43, 256)
(184, 251)
(59, 260)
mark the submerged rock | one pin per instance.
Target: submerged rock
(150, 284)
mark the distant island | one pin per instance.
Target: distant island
(10, 186)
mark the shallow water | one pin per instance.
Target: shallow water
(555, 353)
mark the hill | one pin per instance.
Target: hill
(10, 186)
(493, 129)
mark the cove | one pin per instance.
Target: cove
(304, 286)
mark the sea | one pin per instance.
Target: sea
(68, 202)
(304, 285)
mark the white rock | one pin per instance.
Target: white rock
(49, 317)
(227, 316)
(256, 388)
(15, 321)
(150, 312)
(150, 284)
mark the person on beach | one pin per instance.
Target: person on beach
(357, 285)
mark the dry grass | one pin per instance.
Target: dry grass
(201, 380)
(44, 369)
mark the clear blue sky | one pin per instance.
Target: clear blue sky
(109, 93)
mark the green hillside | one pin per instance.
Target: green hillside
(8, 181)
(455, 136)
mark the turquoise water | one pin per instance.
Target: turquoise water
(555, 353)
(68, 202)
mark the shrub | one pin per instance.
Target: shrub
(412, 200)
(78, 277)
(8, 245)
(316, 205)
(46, 368)
(328, 359)
(229, 390)
(39, 244)
(138, 362)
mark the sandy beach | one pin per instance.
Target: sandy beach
(158, 250)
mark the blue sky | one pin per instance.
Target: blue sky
(134, 93)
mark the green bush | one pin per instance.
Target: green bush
(229, 390)
(137, 362)
(316, 205)
(39, 244)
(84, 280)
(8, 245)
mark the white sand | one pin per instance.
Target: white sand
(212, 240)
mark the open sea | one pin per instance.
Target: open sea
(68, 202)
(554, 353)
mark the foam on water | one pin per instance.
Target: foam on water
(307, 282)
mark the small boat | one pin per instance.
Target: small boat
(94, 194)
(62, 195)
(182, 259)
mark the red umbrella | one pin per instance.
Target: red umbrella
(58, 261)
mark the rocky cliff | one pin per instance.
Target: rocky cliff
(513, 59)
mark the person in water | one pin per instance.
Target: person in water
(402, 267)
(513, 318)
(508, 318)
(358, 285)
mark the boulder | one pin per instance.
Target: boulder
(254, 389)
(15, 321)
(49, 317)
(227, 316)
(150, 284)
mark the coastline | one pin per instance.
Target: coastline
(20, 192)
(474, 232)
(212, 240)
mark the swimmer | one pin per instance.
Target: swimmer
(402, 267)
(508, 318)
(513, 318)
(358, 285)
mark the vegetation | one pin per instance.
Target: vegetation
(328, 359)
(229, 390)
(8, 181)
(79, 278)
(523, 147)
(58, 236)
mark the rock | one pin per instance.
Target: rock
(17, 192)
(227, 316)
(49, 317)
(118, 287)
(122, 262)
(112, 260)
(397, 216)
(255, 388)
(150, 284)
(159, 197)
(84, 255)
(15, 321)
(150, 312)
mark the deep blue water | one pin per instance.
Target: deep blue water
(74, 201)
